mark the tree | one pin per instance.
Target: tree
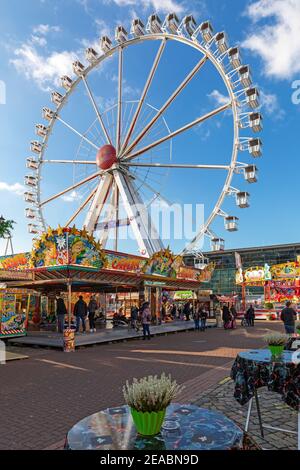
(6, 226)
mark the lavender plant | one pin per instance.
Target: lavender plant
(275, 339)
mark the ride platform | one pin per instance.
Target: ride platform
(103, 336)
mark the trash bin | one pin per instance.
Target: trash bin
(69, 340)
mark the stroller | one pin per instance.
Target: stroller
(245, 321)
(120, 321)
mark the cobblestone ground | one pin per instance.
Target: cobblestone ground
(273, 410)
(44, 396)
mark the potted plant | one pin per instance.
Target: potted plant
(148, 399)
(297, 326)
(276, 343)
(269, 305)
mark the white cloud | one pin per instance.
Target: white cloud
(102, 28)
(276, 41)
(41, 41)
(72, 197)
(44, 29)
(165, 6)
(270, 105)
(15, 188)
(218, 97)
(44, 71)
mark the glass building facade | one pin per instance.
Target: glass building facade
(223, 280)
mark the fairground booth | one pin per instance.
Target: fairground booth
(70, 262)
(278, 283)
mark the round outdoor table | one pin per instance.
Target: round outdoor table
(258, 368)
(186, 427)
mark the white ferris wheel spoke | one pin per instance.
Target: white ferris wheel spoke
(70, 188)
(175, 165)
(73, 162)
(148, 186)
(100, 198)
(138, 215)
(82, 206)
(144, 93)
(178, 131)
(108, 217)
(116, 205)
(76, 132)
(170, 100)
(94, 104)
(119, 118)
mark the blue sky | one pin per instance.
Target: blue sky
(39, 44)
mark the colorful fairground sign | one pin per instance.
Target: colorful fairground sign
(163, 263)
(259, 275)
(67, 246)
(12, 322)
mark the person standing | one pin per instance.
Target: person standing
(61, 311)
(92, 307)
(146, 320)
(226, 317)
(134, 313)
(187, 311)
(174, 311)
(80, 312)
(197, 318)
(163, 312)
(203, 318)
(233, 315)
(288, 316)
(250, 315)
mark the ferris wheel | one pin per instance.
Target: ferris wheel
(126, 149)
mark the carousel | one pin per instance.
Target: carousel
(69, 262)
(279, 283)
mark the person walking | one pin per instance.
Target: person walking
(146, 320)
(174, 311)
(226, 317)
(197, 319)
(250, 315)
(80, 312)
(233, 315)
(288, 316)
(203, 318)
(163, 312)
(92, 307)
(61, 311)
(134, 313)
(187, 311)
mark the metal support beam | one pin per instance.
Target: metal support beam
(138, 215)
(97, 205)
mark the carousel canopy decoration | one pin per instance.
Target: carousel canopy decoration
(67, 246)
(15, 262)
(163, 263)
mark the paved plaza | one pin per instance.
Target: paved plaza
(50, 391)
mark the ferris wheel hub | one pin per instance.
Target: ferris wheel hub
(106, 157)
